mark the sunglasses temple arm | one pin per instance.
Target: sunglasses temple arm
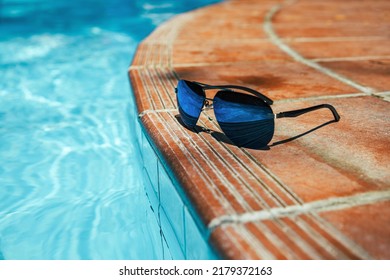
(296, 113)
(256, 93)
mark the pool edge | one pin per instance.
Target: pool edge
(153, 79)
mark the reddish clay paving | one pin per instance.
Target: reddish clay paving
(344, 49)
(374, 73)
(321, 189)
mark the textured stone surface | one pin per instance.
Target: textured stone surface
(321, 189)
(374, 73)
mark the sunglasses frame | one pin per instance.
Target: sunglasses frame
(288, 114)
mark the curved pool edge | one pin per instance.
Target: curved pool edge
(183, 233)
(247, 203)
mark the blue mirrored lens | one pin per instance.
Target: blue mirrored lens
(245, 119)
(190, 98)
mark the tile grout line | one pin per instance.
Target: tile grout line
(383, 92)
(263, 249)
(324, 242)
(269, 30)
(339, 236)
(331, 204)
(300, 222)
(187, 150)
(243, 180)
(154, 85)
(227, 183)
(287, 250)
(320, 97)
(189, 156)
(307, 247)
(350, 58)
(143, 76)
(160, 66)
(183, 19)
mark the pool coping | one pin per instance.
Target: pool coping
(251, 206)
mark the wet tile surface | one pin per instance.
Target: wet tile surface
(320, 190)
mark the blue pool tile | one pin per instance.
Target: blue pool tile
(150, 162)
(196, 246)
(166, 250)
(176, 251)
(138, 132)
(1, 253)
(150, 193)
(172, 204)
(155, 236)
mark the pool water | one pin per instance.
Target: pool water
(69, 166)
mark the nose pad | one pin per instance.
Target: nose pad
(207, 106)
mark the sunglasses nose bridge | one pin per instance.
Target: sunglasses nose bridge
(207, 104)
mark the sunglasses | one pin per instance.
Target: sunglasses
(247, 120)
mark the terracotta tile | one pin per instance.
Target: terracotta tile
(185, 169)
(240, 51)
(352, 154)
(231, 243)
(232, 32)
(153, 54)
(306, 12)
(332, 29)
(374, 73)
(157, 85)
(287, 238)
(310, 160)
(227, 22)
(333, 19)
(270, 241)
(300, 241)
(213, 164)
(138, 56)
(276, 79)
(198, 169)
(261, 185)
(142, 99)
(343, 49)
(335, 245)
(368, 226)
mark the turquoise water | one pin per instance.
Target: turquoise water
(69, 166)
